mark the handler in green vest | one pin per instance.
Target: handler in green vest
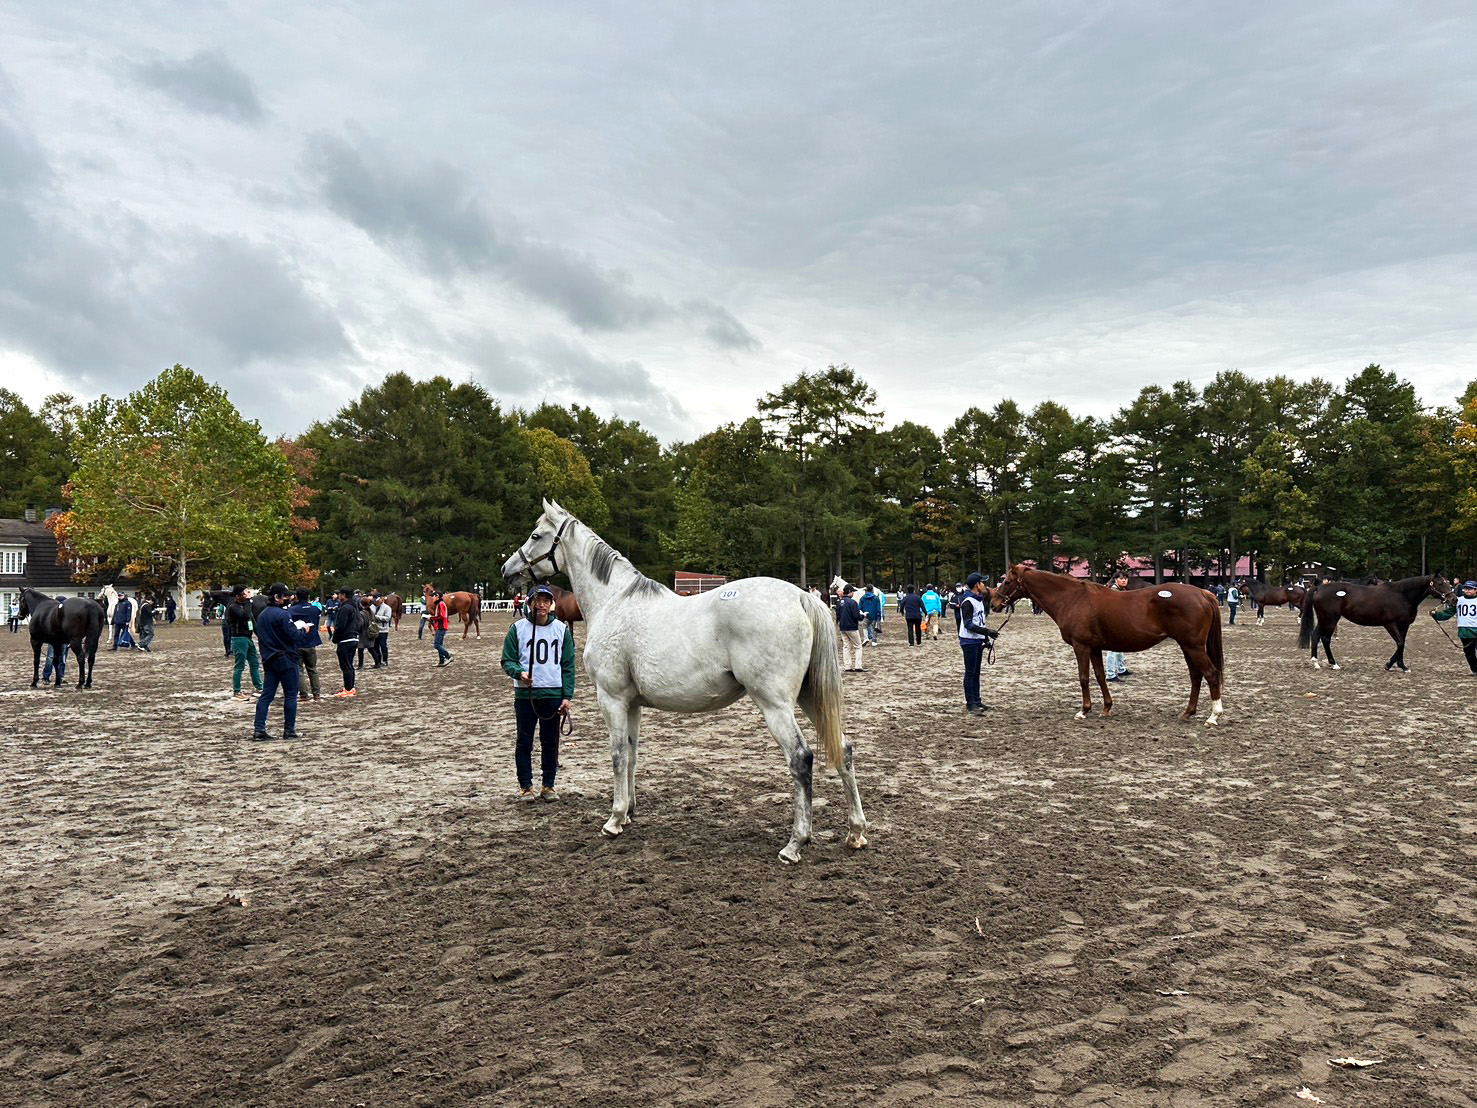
(538, 654)
(1464, 607)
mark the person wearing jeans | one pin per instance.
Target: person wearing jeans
(280, 638)
(974, 636)
(239, 624)
(538, 654)
(439, 624)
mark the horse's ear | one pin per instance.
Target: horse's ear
(553, 507)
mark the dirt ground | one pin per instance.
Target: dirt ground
(1131, 912)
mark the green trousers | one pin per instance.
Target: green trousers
(244, 648)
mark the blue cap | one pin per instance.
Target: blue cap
(544, 590)
(1469, 584)
(973, 579)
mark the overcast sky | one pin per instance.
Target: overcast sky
(666, 210)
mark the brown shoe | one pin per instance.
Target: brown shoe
(527, 795)
(546, 793)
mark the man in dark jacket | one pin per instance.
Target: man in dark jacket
(346, 636)
(145, 623)
(239, 623)
(122, 617)
(280, 638)
(307, 612)
(913, 615)
(849, 621)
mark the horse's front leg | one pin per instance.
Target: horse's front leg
(1082, 663)
(1102, 681)
(617, 714)
(36, 664)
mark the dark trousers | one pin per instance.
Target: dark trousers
(1233, 608)
(974, 652)
(57, 656)
(281, 670)
(307, 662)
(915, 631)
(346, 661)
(1469, 647)
(441, 650)
(380, 651)
(145, 636)
(543, 714)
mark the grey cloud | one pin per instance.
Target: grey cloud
(206, 82)
(240, 296)
(435, 215)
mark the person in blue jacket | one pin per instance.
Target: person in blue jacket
(871, 606)
(280, 638)
(933, 607)
(305, 611)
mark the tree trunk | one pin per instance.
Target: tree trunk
(184, 595)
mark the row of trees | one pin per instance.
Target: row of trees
(418, 481)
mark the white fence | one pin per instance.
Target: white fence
(415, 608)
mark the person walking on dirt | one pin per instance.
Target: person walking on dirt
(1464, 607)
(1233, 601)
(280, 638)
(933, 607)
(305, 611)
(346, 637)
(911, 606)
(239, 623)
(849, 622)
(974, 636)
(439, 626)
(145, 622)
(122, 617)
(871, 606)
(383, 618)
(538, 654)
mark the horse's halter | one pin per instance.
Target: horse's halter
(528, 564)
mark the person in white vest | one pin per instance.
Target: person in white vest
(1464, 607)
(538, 654)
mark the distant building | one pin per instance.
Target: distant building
(28, 561)
(690, 584)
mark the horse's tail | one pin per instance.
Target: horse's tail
(824, 679)
(1213, 643)
(1305, 626)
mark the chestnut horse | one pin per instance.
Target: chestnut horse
(1392, 606)
(467, 605)
(1092, 619)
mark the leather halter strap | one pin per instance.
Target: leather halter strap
(550, 553)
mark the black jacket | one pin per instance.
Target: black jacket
(345, 623)
(238, 618)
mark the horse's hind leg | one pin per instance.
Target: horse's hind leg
(1326, 637)
(1102, 681)
(1398, 658)
(801, 761)
(856, 818)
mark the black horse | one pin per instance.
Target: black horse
(1392, 605)
(76, 622)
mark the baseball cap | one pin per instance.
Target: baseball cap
(1469, 584)
(279, 589)
(974, 579)
(544, 590)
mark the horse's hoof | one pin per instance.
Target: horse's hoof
(1334, 666)
(790, 855)
(1107, 713)
(1212, 721)
(1080, 715)
(856, 840)
(611, 829)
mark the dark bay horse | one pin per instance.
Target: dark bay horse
(466, 605)
(1092, 619)
(1392, 605)
(76, 622)
(1265, 596)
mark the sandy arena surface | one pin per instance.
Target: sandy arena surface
(1125, 912)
